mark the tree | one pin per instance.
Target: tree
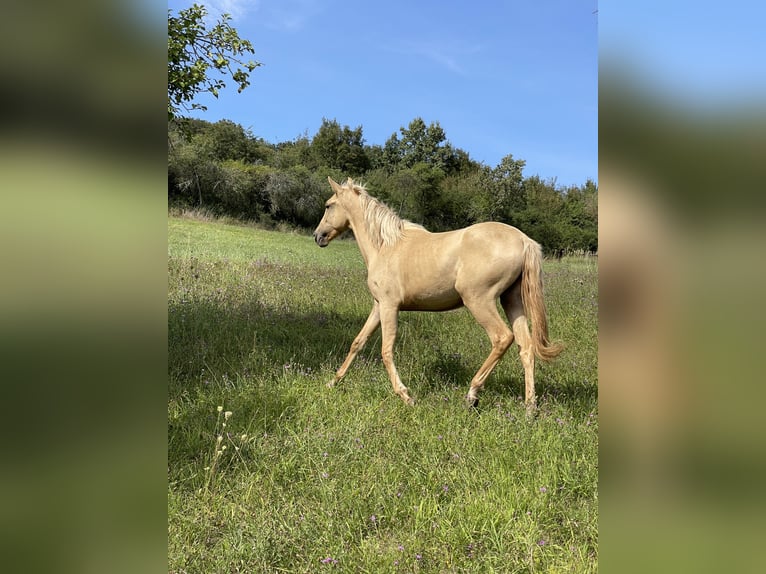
(193, 50)
(297, 196)
(340, 148)
(507, 181)
(419, 144)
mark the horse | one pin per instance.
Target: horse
(412, 269)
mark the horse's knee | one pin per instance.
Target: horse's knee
(388, 357)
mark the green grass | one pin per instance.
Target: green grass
(351, 479)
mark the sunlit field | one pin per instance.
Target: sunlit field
(270, 471)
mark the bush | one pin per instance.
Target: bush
(296, 196)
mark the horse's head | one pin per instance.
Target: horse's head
(335, 220)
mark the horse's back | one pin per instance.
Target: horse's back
(493, 241)
(439, 270)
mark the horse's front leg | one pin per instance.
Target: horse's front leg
(369, 328)
(388, 322)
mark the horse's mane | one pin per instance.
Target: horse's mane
(383, 225)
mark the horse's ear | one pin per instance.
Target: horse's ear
(352, 186)
(333, 184)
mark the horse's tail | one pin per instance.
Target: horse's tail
(532, 299)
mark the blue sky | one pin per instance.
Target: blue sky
(704, 52)
(514, 77)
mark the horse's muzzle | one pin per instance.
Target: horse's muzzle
(321, 239)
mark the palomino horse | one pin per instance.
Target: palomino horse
(411, 269)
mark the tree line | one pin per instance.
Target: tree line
(227, 170)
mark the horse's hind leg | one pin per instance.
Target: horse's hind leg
(514, 309)
(485, 313)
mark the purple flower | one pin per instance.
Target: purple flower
(373, 519)
(418, 557)
(543, 489)
(445, 488)
(329, 560)
(541, 542)
(400, 548)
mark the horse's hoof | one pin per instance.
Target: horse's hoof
(408, 400)
(472, 402)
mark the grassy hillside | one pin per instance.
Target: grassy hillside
(301, 478)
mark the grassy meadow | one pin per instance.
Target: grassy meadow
(270, 471)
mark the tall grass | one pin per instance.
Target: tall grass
(301, 478)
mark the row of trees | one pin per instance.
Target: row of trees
(229, 171)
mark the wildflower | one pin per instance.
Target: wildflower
(220, 409)
(226, 415)
(445, 488)
(400, 548)
(543, 489)
(325, 475)
(243, 437)
(418, 557)
(541, 542)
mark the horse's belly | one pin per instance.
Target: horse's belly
(432, 301)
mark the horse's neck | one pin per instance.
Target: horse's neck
(364, 243)
(362, 236)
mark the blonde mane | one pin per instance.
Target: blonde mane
(383, 225)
